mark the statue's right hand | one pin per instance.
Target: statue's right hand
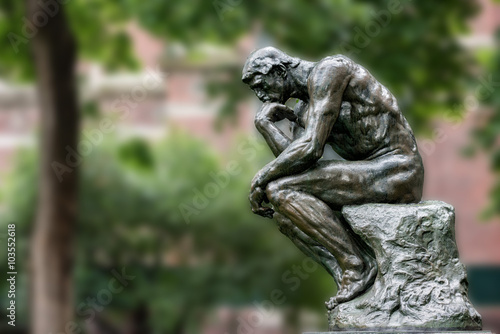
(256, 197)
(275, 112)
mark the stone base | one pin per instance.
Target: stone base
(421, 284)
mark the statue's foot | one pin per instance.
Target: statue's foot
(353, 284)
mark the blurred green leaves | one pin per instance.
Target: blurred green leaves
(136, 153)
(411, 46)
(129, 216)
(99, 28)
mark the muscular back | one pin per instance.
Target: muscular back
(369, 123)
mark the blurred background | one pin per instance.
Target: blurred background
(127, 148)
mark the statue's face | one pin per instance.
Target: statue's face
(269, 87)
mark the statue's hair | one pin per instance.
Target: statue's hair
(263, 60)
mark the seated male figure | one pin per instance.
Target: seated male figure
(340, 104)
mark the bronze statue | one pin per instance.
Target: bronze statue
(395, 262)
(340, 104)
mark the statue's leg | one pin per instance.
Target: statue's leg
(317, 220)
(307, 200)
(309, 247)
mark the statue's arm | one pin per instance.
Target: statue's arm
(274, 137)
(326, 87)
(297, 128)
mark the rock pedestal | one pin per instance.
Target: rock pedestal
(421, 284)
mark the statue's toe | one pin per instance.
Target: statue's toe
(353, 284)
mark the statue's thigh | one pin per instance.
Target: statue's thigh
(339, 183)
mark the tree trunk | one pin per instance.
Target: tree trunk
(54, 54)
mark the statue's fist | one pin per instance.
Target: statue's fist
(256, 197)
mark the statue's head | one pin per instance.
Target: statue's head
(266, 72)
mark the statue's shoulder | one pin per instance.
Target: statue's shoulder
(337, 65)
(335, 61)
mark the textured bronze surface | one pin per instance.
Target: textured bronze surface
(421, 282)
(339, 103)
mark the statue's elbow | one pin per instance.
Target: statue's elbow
(313, 152)
(260, 123)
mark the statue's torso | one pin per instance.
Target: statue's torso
(370, 123)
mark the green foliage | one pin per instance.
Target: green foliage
(129, 217)
(136, 153)
(98, 26)
(233, 91)
(16, 61)
(413, 51)
(18, 196)
(409, 45)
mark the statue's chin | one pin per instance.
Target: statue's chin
(274, 99)
(277, 100)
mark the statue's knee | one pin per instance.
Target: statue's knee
(272, 190)
(412, 189)
(277, 192)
